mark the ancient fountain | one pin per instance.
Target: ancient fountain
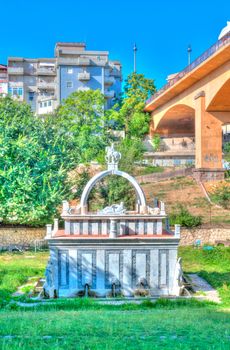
(113, 251)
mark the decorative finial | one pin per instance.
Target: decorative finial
(112, 157)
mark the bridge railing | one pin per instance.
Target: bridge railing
(208, 53)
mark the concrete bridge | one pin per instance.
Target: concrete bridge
(196, 102)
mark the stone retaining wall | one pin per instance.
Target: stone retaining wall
(164, 176)
(27, 236)
(20, 235)
(210, 235)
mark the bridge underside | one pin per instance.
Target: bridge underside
(178, 121)
(200, 117)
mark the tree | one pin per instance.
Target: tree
(129, 113)
(139, 87)
(82, 114)
(34, 161)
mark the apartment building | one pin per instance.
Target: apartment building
(33, 81)
(3, 80)
(45, 82)
(80, 69)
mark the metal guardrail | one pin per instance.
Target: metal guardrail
(208, 53)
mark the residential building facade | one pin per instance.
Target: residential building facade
(79, 69)
(3, 80)
(45, 82)
(33, 81)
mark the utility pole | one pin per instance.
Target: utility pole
(134, 54)
(189, 50)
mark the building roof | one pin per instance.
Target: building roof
(78, 44)
(3, 66)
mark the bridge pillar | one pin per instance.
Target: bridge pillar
(208, 136)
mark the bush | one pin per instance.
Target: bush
(221, 195)
(156, 141)
(182, 217)
(35, 159)
(227, 147)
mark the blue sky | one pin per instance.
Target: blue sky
(162, 30)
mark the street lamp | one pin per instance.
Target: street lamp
(189, 49)
(134, 54)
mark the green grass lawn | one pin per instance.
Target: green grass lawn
(183, 328)
(214, 266)
(83, 324)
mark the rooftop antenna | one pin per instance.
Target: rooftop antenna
(134, 54)
(189, 50)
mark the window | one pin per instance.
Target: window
(20, 91)
(69, 84)
(49, 103)
(70, 70)
(45, 104)
(31, 95)
(40, 104)
(16, 91)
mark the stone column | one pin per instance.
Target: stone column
(48, 231)
(177, 231)
(113, 228)
(55, 226)
(208, 134)
(65, 207)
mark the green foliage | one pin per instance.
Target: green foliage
(149, 169)
(182, 217)
(156, 141)
(33, 166)
(139, 124)
(131, 152)
(227, 147)
(222, 196)
(139, 87)
(80, 182)
(128, 114)
(82, 114)
(36, 155)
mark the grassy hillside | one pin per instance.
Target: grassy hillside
(187, 192)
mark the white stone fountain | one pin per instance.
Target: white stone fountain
(113, 250)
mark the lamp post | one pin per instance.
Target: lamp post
(134, 54)
(189, 50)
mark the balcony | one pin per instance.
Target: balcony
(3, 76)
(46, 71)
(115, 73)
(46, 85)
(84, 76)
(109, 81)
(15, 70)
(42, 98)
(74, 61)
(83, 61)
(109, 94)
(14, 84)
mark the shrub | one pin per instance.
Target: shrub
(156, 141)
(221, 195)
(184, 218)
